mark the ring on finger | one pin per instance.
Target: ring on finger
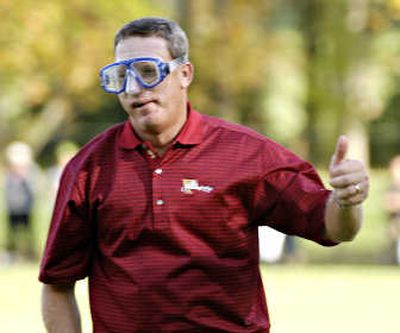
(357, 188)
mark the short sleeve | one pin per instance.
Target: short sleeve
(68, 251)
(294, 199)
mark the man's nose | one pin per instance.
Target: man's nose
(132, 86)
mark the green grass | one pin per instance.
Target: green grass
(331, 299)
(309, 299)
(20, 300)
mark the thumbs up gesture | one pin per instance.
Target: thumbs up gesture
(348, 178)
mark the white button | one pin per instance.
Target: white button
(158, 171)
(160, 202)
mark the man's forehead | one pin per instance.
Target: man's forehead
(136, 46)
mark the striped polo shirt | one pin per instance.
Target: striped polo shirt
(170, 244)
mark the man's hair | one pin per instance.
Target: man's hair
(177, 41)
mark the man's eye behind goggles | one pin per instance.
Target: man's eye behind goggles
(148, 72)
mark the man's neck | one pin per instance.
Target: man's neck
(161, 139)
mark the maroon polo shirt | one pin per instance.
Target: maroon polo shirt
(170, 244)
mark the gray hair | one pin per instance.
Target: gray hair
(177, 41)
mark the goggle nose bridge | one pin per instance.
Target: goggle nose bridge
(129, 75)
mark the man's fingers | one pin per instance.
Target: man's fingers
(351, 190)
(342, 146)
(348, 179)
(347, 167)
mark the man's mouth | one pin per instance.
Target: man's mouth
(139, 104)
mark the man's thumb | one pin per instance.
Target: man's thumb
(342, 146)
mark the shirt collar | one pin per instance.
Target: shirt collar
(192, 132)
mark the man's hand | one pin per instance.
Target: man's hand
(348, 178)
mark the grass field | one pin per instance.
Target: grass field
(301, 298)
(333, 299)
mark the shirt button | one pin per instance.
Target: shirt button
(151, 154)
(158, 171)
(159, 202)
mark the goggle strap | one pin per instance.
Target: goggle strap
(172, 65)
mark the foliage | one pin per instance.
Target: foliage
(228, 44)
(300, 71)
(50, 54)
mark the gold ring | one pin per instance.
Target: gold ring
(357, 188)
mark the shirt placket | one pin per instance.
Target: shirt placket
(159, 201)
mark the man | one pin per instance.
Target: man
(19, 200)
(161, 212)
(392, 207)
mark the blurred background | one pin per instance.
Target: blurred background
(299, 71)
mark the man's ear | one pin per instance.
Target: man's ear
(186, 75)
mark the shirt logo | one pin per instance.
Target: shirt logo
(190, 185)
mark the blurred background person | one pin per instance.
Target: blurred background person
(392, 206)
(290, 250)
(19, 199)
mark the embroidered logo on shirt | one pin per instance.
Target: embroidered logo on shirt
(190, 185)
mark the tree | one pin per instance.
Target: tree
(228, 46)
(50, 54)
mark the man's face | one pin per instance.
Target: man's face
(153, 110)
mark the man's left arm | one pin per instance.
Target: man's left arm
(349, 179)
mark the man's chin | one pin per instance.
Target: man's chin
(148, 123)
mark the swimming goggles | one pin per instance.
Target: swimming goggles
(147, 71)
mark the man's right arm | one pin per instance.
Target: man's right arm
(59, 309)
